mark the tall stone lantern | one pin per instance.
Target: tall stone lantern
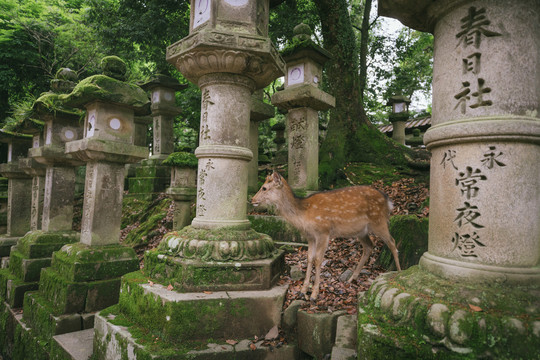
(399, 116)
(478, 285)
(85, 277)
(228, 55)
(152, 177)
(303, 98)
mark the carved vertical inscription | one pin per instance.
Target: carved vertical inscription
(203, 174)
(467, 239)
(474, 91)
(206, 102)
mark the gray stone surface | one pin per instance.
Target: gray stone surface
(77, 345)
(317, 332)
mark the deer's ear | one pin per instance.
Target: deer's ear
(276, 178)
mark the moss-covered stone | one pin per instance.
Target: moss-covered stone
(277, 228)
(107, 89)
(415, 314)
(39, 244)
(80, 262)
(182, 159)
(411, 235)
(148, 215)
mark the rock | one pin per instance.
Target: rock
(296, 273)
(272, 334)
(345, 275)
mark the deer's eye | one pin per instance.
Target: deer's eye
(264, 188)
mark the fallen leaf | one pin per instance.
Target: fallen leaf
(207, 292)
(252, 347)
(151, 283)
(231, 342)
(170, 287)
(475, 308)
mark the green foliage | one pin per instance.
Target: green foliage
(36, 39)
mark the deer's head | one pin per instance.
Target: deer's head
(271, 191)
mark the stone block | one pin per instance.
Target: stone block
(15, 290)
(346, 333)
(39, 244)
(5, 245)
(79, 262)
(194, 316)
(111, 341)
(289, 318)
(27, 270)
(317, 332)
(197, 275)
(66, 296)
(276, 227)
(102, 294)
(74, 346)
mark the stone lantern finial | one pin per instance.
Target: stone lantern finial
(114, 67)
(302, 32)
(64, 81)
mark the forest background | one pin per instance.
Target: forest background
(370, 63)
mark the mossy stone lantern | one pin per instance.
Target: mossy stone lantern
(399, 116)
(302, 99)
(106, 147)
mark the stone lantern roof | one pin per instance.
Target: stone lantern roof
(109, 87)
(164, 81)
(301, 46)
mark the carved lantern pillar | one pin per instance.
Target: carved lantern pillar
(302, 98)
(228, 55)
(484, 230)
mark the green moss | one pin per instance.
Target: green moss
(107, 89)
(489, 333)
(148, 215)
(182, 159)
(411, 236)
(276, 228)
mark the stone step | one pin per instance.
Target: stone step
(118, 338)
(77, 345)
(346, 338)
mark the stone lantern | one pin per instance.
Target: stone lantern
(399, 116)
(19, 189)
(477, 286)
(152, 177)
(85, 276)
(303, 98)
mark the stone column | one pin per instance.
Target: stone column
(19, 185)
(227, 76)
(183, 189)
(85, 276)
(484, 233)
(259, 111)
(37, 172)
(303, 99)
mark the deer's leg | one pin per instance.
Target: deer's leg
(320, 249)
(383, 232)
(367, 248)
(310, 255)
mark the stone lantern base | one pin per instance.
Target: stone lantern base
(221, 259)
(151, 179)
(82, 280)
(417, 315)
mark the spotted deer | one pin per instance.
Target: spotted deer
(354, 211)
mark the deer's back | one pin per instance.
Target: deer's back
(345, 212)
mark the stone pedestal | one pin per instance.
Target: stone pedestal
(37, 172)
(482, 268)
(259, 111)
(302, 98)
